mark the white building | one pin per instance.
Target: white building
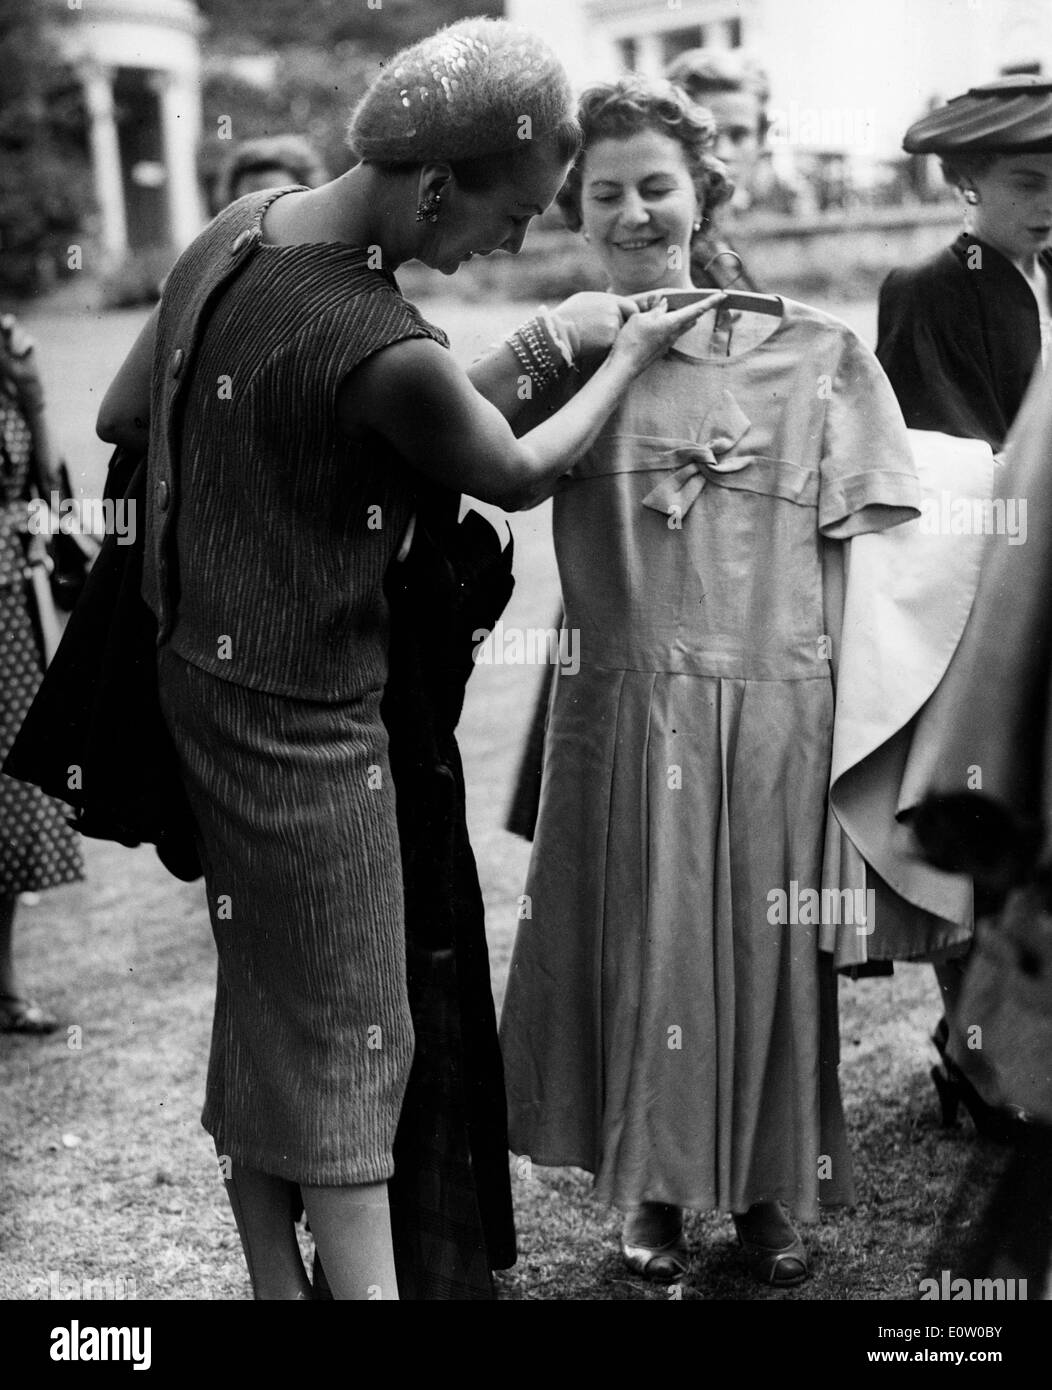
(846, 75)
(139, 63)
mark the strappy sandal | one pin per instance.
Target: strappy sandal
(19, 1015)
(782, 1268)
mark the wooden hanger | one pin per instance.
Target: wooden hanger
(744, 300)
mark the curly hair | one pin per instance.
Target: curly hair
(618, 110)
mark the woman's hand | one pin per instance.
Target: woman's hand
(591, 321)
(649, 334)
(37, 552)
(18, 364)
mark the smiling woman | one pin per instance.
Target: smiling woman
(662, 1029)
(648, 185)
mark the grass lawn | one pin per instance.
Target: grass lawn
(105, 1172)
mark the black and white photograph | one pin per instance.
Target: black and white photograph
(526, 641)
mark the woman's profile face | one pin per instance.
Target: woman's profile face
(1014, 211)
(638, 209)
(738, 116)
(476, 223)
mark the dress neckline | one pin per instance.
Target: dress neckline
(725, 359)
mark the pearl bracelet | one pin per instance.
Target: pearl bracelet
(535, 349)
(546, 317)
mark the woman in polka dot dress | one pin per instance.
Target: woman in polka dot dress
(37, 848)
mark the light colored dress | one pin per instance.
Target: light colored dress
(660, 1029)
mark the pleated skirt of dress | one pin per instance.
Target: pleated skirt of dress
(658, 1030)
(312, 1039)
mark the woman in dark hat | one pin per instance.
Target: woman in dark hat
(297, 413)
(960, 336)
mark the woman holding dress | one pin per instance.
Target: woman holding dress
(288, 395)
(665, 1027)
(732, 94)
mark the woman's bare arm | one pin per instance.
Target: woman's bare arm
(588, 322)
(124, 416)
(415, 396)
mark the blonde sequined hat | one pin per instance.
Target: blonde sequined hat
(477, 87)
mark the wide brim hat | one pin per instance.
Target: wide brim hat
(477, 87)
(1012, 116)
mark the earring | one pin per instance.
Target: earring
(697, 226)
(971, 197)
(427, 210)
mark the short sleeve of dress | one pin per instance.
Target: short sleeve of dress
(868, 481)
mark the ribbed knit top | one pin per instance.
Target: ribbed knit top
(283, 529)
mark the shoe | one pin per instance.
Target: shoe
(24, 1016)
(782, 1267)
(663, 1264)
(999, 1123)
(1003, 1124)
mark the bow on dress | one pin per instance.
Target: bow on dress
(694, 464)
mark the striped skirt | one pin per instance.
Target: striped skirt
(312, 1039)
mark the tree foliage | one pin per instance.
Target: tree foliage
(312, 95)
(326, 53)
(45, 174)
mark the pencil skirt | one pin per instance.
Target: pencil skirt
(312, 1039)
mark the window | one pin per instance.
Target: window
(677, 41)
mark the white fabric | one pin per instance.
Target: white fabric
(907, 594)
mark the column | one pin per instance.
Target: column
(650, 55)
(179, 129)
(106, 159)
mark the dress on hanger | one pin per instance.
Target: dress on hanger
(661, 1028)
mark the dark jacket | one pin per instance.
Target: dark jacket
(959, 337)
(94, 736)
(451, 1211)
